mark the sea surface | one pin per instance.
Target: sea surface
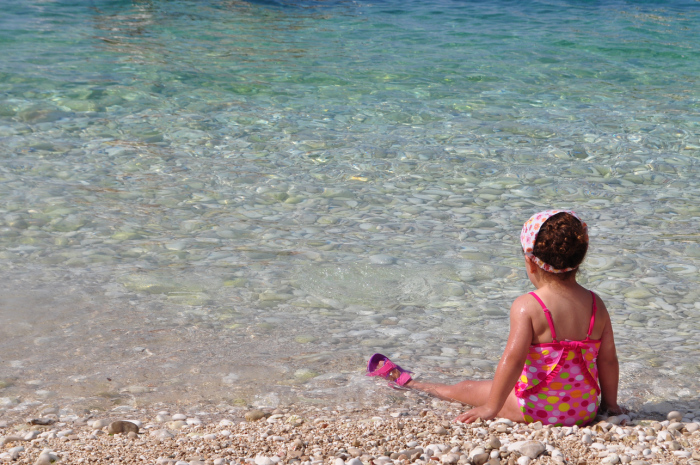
(237, 203)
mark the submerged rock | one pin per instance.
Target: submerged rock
(122, 427)
(254, 415)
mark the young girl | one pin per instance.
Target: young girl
(560, 355)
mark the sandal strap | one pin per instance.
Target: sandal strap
(404, 378)
(384, 370)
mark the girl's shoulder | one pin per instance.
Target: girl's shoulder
(598, 299)
(601, 309)
(525, 304)
(599, 304)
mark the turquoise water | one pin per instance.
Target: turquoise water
(240, 202)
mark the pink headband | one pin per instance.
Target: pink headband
(531, 228)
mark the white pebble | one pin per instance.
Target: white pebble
(263, 460)
(449, 459)
(476, 451)
(43, 459)
(179, 417)
(99, 424)
(382, 259)
(505, 421)
(47, 457)
(15, 451)
(524, 460)
(675, 426)
(161, 434)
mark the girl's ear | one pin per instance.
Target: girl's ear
(531, 265)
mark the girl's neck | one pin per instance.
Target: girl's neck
(542, 279)
(554, 283)
(557, 285)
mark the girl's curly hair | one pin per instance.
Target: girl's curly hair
(562, 243)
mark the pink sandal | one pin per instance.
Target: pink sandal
(386, 369)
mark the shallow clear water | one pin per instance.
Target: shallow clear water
(240, 202)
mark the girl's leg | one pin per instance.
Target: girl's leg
(474, 393)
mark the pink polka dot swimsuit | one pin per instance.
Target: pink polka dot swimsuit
(558, 385)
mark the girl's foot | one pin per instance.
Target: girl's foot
(380, 365)
(393, 375)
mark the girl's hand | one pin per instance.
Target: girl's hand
(484, 412)
(611, 409)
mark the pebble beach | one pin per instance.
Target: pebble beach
(419, 430)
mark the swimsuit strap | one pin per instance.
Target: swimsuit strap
(547, 315)
(595, 309)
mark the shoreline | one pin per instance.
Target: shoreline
(405, 428)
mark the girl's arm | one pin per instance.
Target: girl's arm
(608, 368)
(511, 365)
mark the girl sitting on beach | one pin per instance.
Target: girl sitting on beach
(560, 354)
